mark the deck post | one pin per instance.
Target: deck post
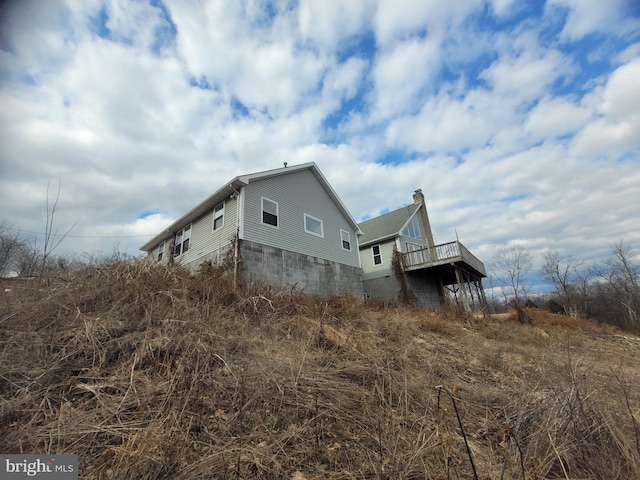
(485, 305)
(461, 287)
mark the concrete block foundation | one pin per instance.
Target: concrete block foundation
(421, 289)
(283, 268)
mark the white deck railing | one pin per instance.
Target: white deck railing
(453, 251)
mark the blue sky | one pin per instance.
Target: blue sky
(520, 121)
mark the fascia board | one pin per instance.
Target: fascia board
(196, 212)
(380, 239)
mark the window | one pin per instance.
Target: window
(346, 240)
(413, 228)
(269, 212)
(160, 251)
(377, 256)
(416, 253)
(183, 238)
(313, 226)
(218, 217)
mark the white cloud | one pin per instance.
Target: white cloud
(589, 16)
(502, 7)
(151, 223)
(343, 80)
(133, 23)
(449, 124)
(603, 137)
(259, 64)
(526, 74)
(401, 19)
(277, 76)
(628, 54)
(555, 117)
(33, 40)
(622, 93)
(211, 38)
(617, 129)
(104, 88)
(402, 73)
(328, 23)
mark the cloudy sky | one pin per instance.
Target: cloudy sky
(520, 120)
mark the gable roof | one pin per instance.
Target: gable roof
(386, 226)
(231, 187)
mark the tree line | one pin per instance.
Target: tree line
(607, 291)
(23, 256)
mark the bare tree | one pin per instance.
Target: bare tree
(51, 238)
(512, 264)
(582, 285)
(562, 272)
(29, 259)
(494, 302)
(623, 275)
(11, 244)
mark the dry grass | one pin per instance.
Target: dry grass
(148, 372)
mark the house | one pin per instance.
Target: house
(284, 227)
(401, 262)
(287, 227)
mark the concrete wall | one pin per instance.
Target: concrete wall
(425, 288)
(284, 268)
(422, 289)
(383, 289)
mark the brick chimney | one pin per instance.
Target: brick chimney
(418, 198)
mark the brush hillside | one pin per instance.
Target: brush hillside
(147, 372)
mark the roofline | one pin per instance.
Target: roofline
(391, 236)
(334, 196)
(411, 216)
(196, 212)
(394, 234)
(234, 185)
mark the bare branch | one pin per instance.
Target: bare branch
(513, 263)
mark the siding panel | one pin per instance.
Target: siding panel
(205, 243)
(369, 270)
(296, 194)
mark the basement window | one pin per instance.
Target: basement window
(377, 256)
(313, 226)
(218, 217)
(269, 212)
(346, 240)
(183, 238)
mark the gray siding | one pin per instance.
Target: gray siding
(369, 269)
(156, 251)
(381, 283)
(296, 194)
(205, 244)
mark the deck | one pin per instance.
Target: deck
(445, 254)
